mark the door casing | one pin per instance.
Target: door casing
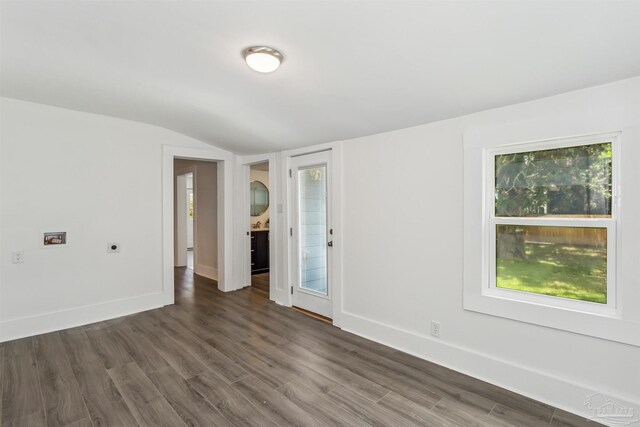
(336, 195)
(276, 287)
(306, 298)
(225, 161)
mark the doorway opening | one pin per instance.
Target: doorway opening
(196, 216)
(223, 161)
(259, 217)
(190, 213)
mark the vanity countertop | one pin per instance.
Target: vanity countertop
(259, 229)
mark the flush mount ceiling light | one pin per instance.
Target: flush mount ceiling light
(262, 59)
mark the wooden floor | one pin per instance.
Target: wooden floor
(260, 282)
(236, 359)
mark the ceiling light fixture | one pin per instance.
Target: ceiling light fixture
(262, 59)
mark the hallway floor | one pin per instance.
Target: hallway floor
(260, 282)
(190, 259)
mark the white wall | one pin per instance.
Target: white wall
(97, 177)
(403, 259)
(205, 177)
(263, 177)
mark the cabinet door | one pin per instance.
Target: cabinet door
(254, 253)
(260, 251)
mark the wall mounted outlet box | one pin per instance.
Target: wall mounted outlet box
(113, 247)
(435, 329)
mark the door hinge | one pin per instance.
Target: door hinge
(290, 174)
(291, 231)
(292, 290)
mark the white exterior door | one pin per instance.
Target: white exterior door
(312, 232)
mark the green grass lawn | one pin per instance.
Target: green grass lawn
(562, 271)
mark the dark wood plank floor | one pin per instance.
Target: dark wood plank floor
(260, 282)
(217, 359)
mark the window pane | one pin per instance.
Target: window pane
(572, 181)
(566, 262)
(312, 205)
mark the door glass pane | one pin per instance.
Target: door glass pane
(569, 182)
(566, 262)
(312, 205)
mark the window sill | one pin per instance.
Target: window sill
(606, 326)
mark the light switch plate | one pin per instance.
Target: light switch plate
(17, 257)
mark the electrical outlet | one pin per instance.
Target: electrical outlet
(17, 257)
(113, 247)
(435, 329)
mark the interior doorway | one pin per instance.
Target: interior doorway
(190, 214)
(181, 211)
(259, 220)
(196, 216)
(226, 221)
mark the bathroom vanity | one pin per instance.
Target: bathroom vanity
(260, 250)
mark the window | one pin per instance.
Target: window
(544, 223)
(551, 223)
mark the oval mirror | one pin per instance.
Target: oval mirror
(259, 198)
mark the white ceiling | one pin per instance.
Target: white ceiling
(350, 69)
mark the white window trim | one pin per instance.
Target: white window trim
(616, 322)
(611, 308)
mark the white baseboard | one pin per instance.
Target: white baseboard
(555, 391)
(77, 316)
(206, 271)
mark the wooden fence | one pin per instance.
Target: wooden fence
(570, 236)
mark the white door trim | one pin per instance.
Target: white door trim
(336, 195)
(277, 290)
(226, 278)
